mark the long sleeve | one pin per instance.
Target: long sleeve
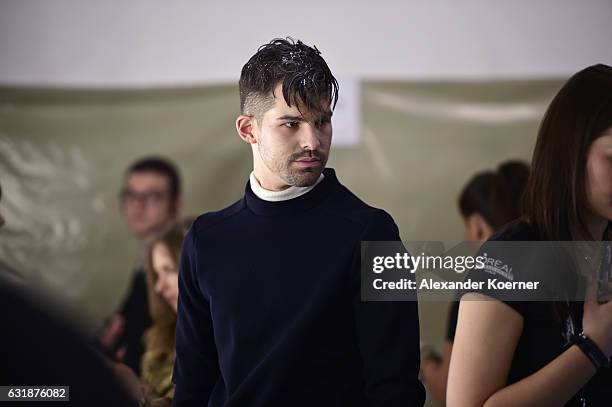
(387, 336)
(196, 369)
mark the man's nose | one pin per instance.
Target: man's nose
(310, 137)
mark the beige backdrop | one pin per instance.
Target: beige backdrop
(63, 152)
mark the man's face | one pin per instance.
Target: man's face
(146, 203)
(292, 147)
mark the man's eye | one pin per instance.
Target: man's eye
(290, 125)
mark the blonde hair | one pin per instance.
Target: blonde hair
(159, 338)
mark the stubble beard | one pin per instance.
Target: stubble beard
(287, 171)
(304, 177)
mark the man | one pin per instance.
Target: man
(150, 200)
(269, 288)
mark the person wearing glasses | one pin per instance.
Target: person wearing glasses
(150, 200)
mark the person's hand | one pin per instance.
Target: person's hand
(429, 368)
(109, 336)
(129, 380)
(430, 363)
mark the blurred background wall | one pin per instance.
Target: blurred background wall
(441, 89)
(152, 42)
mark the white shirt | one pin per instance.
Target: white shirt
(276, 196)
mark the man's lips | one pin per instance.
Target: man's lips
(308, 162)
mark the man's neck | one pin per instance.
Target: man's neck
(267, 179)
(285, 194)
(269, 184)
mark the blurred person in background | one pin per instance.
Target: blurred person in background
(154, 387)
(548, 353)
(150, 200)
(489, 201)
(42, 346)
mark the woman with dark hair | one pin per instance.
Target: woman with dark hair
(487, 202)
(548, 353)
(491, 199)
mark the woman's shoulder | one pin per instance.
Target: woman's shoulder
(527, 267)
(518, 230)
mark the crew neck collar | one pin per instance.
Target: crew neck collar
(284, 195)
(317, 194)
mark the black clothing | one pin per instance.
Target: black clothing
(451, 324)
(270, 311)
(40, 348)
(135, 310)
(547, 326)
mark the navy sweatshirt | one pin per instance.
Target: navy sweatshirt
(270, 313)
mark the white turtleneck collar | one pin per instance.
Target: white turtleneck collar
(277, 196)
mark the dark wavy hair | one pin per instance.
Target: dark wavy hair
(495, 195)
(304, 74)
(556, 198)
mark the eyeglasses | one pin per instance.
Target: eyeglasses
(152, 197)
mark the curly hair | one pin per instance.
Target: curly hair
(305, 77)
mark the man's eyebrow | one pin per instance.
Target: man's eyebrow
(324, 116)
(293, 118)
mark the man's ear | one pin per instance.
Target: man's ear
(245, 126)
